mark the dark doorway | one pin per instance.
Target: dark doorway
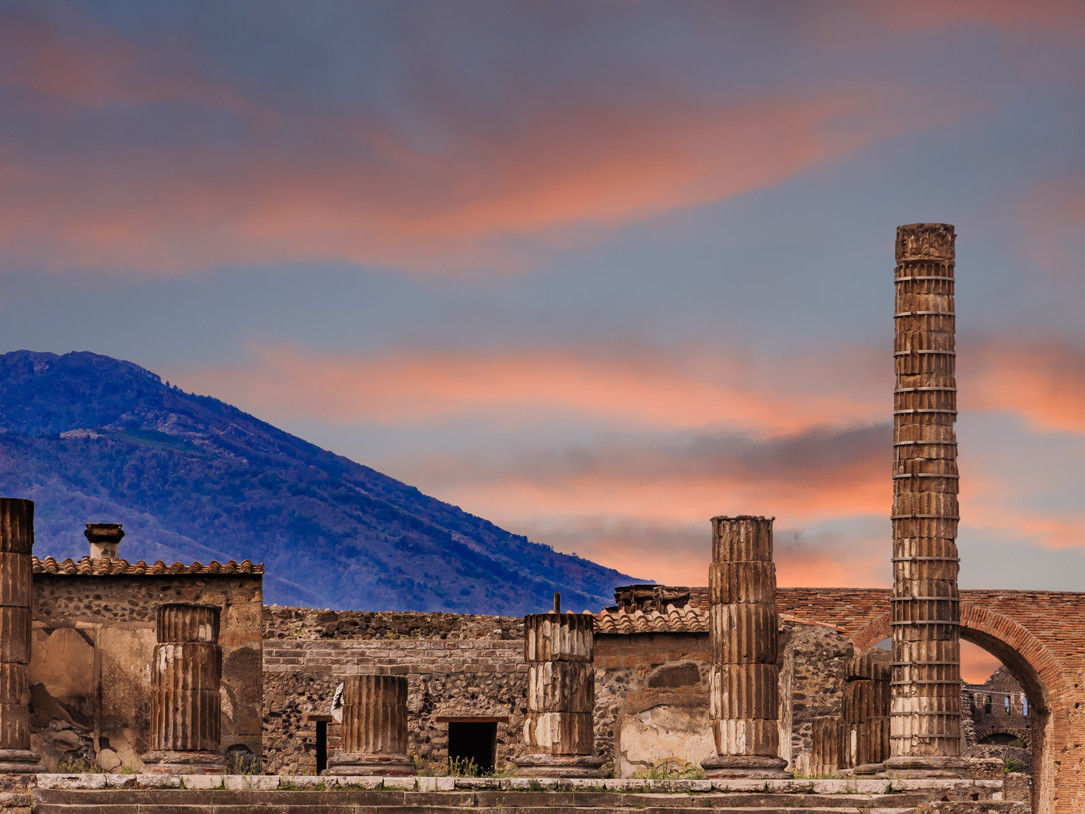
(473, 743)
(321, 746)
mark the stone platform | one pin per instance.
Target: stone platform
(236, 794)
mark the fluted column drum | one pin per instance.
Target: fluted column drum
(374, 735)
(865, 713)
(16, 546)
(743, 689)
(826, 740)
(186, 675)
(375, 715)
(559, 728)
(925, 723)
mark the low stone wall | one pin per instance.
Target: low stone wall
(457, 666)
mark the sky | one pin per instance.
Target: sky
(596, 271)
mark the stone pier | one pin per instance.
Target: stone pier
(374, 738)
(925, 713)
(186, 709)
(16, 544)
(743, 692)
(559, 728)
(865, 713)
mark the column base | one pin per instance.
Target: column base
(756, 767)
(558, 766)
(926, 766)
(869, 770)
(20, 761)
(169, 762)
(353, 763)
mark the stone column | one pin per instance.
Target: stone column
(186, 672)
(925, 715)
(865, 713)
(559, 728)
(16, 544)
(374, 736)
(743, 690)
(826, 740)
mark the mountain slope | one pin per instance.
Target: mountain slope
(94, 439)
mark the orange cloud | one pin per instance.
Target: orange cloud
(354, 189)
(1042, 382)
(629, 387)
(976, 663)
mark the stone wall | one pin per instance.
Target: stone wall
(651, 689)
(457, 666)
(92, 642)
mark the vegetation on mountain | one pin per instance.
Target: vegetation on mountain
(95, 439)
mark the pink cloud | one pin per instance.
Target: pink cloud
(362, 192)
(924, 15)
(631, 387)
(1043, 382)
(85, 62)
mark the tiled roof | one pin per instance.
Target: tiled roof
(669, 620)
(104, 567)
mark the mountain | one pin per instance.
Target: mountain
(94, 439)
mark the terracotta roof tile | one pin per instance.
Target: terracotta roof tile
(686, 619)
(104, 567)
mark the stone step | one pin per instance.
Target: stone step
(391, 801)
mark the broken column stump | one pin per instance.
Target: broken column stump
(559, 728)
(925, 705)
(826, 742)
(16, 545)
(374, 734)
(865, 713)
(743, 692)
(186, 712)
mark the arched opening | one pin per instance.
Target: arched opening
(1008, 642)
(1034, 726)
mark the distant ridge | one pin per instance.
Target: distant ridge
(94, 439)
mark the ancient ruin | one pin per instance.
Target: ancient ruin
(559, 727)
(744, 679)
(186, 673)
(925, 711)
(374, 737)
(127, 669)
(16, 545)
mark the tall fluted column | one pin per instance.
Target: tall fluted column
(743, 690)
(16, 544)
(559, 728)
(374, 739)
(925, 714)
(186, 672)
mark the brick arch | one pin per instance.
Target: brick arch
(1034, 667)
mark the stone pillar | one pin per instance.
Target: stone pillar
(559, 728)
(186, 671)
(16, 544)
(925, 715)
(865, 713)
(826, 740)
(743, 692)
(374, 737)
